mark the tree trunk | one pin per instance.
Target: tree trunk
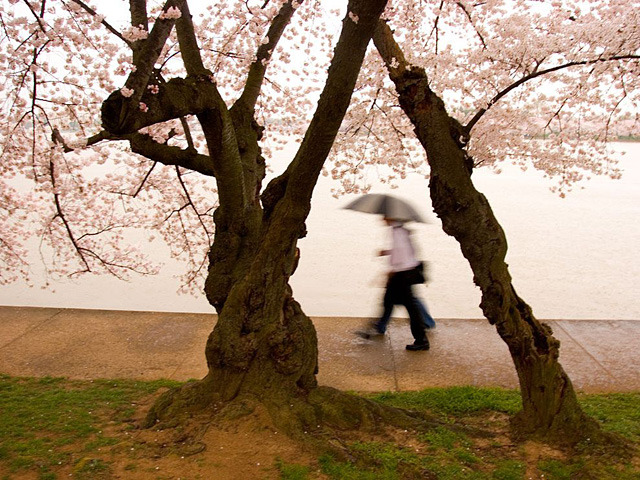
(263, 344)
(263, 347)
(550, 408)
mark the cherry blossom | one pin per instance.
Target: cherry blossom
(171, 13)
(134, 34)
(541, 84)
(126, 92)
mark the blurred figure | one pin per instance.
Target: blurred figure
(404, 267)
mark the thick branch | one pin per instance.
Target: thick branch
(170, 155)
(138, 9)
(220, 134)
(150, 52)
(175, 99)
(189, 44)
(123, 109)
(357, 29)
(399, 70)
(199, 96)
(139, 19)
(390, 51)
(259, 66)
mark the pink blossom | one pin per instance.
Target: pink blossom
(171, 13)
(133, 34)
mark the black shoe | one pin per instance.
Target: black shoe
(415, 346)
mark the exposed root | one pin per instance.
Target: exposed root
(322, 420)
(571, 437)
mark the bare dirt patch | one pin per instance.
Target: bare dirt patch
(248, 448)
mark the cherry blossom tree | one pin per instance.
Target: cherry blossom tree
(543, 85)
(157, 120)
(107, 129)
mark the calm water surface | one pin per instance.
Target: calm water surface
(577, 257)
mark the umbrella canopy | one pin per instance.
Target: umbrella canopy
(387, 206)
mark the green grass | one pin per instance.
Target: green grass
(291, 471)
(40, 417)
(451, 455)
(619, 413)
(455, 400)
(47, 424)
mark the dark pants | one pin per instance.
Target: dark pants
(399, 292)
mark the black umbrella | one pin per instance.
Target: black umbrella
(387, 206)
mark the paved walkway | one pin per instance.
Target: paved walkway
(598, 355)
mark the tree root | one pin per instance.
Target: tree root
(320, 420)
(571, 436)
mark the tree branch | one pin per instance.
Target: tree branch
(357, 28)
(390, 52)
(150, 52)
(189, 44)
(468, 14)
(60, 214)
(435, 29)
(107, 25)
(192, 205)
(176, 98)
(138, 9)
(540, 73)
(144, 145)
(258, 68)
(144, 180)
(401, 72)
(36, 16)
(147, 55)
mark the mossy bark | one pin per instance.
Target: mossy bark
(263, 347)
(550, 408)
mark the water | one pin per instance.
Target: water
(574, 258)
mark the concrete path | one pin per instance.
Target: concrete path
(598, 355)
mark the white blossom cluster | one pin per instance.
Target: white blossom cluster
(135, 33)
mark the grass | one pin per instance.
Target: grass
(49, 426)
(40, 418)
(455, 401)
(445, 453)
(619, 413)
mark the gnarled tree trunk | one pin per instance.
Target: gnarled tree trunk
(263, 347)
(263, 344)
(550, 408)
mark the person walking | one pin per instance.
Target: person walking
(398, 291)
